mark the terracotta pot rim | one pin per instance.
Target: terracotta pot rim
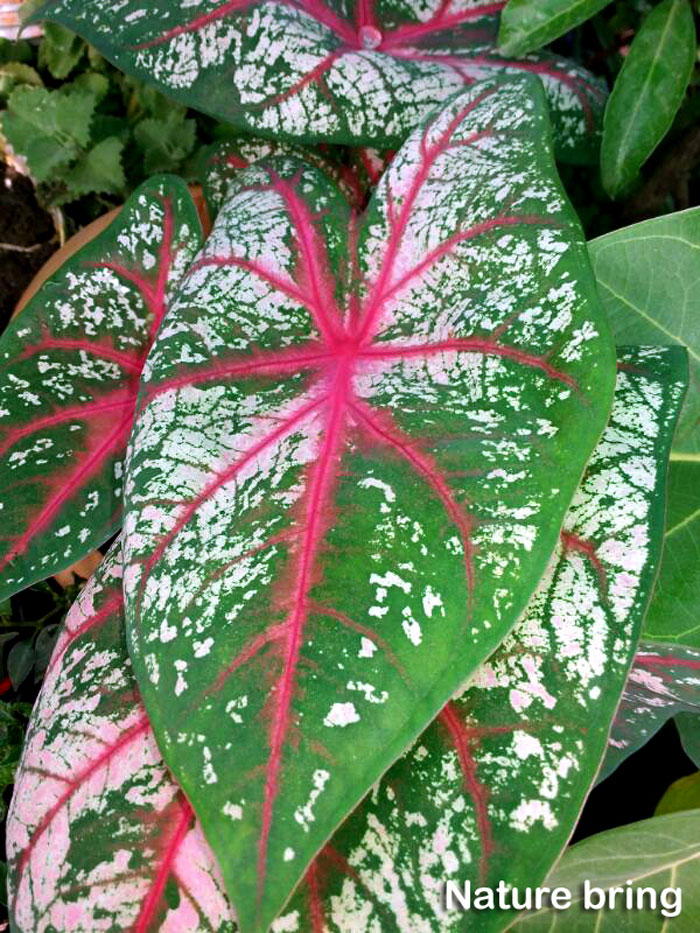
(86, 235)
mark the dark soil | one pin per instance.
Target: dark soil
(27, 238)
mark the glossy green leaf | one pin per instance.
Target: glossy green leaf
(649, 282)
(688, 725)
(98, 836)
(647, 93)
(356, 444)
(657, 854)
(648, 278)
(527, 25)
(683, 794)
(664, 681)
(70, 364)
(322, 71)
(674, 614)
(539, 707)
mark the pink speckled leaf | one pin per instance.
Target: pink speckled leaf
(222, 162)
(493, 788)
(356, 443)
(369, 165)
(70, 365)
(489, 791)
(99, 837)
(664, 682)
(359, 73)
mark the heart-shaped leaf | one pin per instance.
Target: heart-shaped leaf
(493, 788)
(99, 836)
(355, 447)
(309, 70)
(664, 681)
(70, 364)
(540, 707)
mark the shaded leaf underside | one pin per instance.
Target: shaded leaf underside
(664, 681)
(490, 790)
(343, 462)
(70, 365)
(360, 74)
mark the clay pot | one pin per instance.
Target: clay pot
(89, 233)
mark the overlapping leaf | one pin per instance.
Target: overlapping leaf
(664, 681)
(223, 161)
(649, 283)
(674, 614)
(355, 449)
(69, 370)
(99, 837)
(317, 70)
(490, 790)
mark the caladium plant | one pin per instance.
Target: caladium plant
(490, 790)
(355, 446)
(359, 73)
(70, 364)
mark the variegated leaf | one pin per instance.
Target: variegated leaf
(461, 804)
(324, 70)
(70, 365)
(99, 837)
(370, 164)
(223, 161)
(355, 447)
(493, 788)
(664, 681)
